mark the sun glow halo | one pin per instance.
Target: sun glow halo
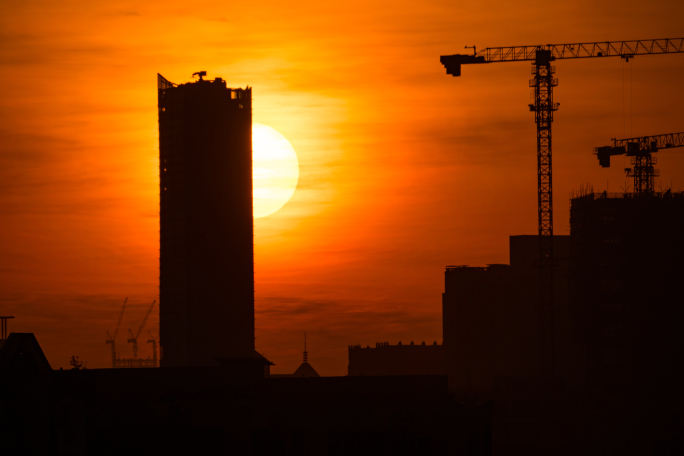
(275, 170)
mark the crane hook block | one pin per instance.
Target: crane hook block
(453, 63)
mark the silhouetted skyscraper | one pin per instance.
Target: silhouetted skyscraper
(206, 228)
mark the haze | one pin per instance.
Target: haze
(403, 169)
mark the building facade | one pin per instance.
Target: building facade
(206, 277)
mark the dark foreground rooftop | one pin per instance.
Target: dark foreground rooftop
(220, 410)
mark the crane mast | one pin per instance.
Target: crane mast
(134, 338)
(543, 109)
(543, 83)
(153, 341)
(640, 150)
(112, 339)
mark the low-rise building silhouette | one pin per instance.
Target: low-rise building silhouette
(400, 359)
(227, 409)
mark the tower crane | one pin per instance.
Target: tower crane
(543, 83)
(640, 149)
(134, 339)
(112, 340)
(153, 341)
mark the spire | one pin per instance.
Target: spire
(305, 370)
(306, 353)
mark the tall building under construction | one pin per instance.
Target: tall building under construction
(206, 231)
(626, 293)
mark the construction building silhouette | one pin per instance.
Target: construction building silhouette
(617, 328)
(206, 266)
(490, 319)
(625, 290)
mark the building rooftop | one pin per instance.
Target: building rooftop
(305, 370)
(625, 195)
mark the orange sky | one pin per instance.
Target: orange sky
(403, 169)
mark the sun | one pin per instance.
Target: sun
(275, 170)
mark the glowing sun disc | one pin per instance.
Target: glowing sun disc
(275, 170)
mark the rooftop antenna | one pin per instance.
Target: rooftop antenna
(306, 353)
(199, 74)
(3, 329)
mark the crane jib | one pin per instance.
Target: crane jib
(638, 145)
(626, 49)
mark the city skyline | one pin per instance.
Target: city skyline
(403, 169)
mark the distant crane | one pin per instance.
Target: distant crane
(543, 107)
(640, 149)
(153, 341)
(112, 340)
(134, 339)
